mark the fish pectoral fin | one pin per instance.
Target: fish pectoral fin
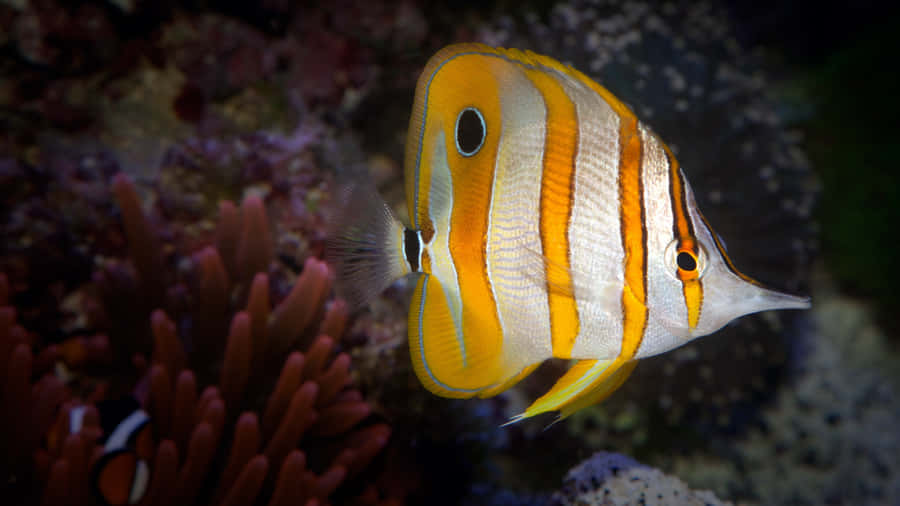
(585, 383)
(365, 243)
(557, 279)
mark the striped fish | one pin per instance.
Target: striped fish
(547, 221)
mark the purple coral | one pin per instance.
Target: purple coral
(609, 479)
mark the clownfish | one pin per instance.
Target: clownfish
(122, 473)
(547, 221)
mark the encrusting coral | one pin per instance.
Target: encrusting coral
(611, 479)
(199, 359)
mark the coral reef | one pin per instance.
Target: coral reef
(224, 426)
(611, 479)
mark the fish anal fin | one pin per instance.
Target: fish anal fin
(443, 362)
(599, 391)
(490, 392)
(585, 382)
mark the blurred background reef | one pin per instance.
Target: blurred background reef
(166, 170)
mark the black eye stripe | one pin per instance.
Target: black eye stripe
(686, 261)
(470, 131)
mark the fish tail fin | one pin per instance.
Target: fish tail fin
(366, 244)
(585, 383)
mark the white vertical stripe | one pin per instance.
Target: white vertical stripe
(440, 209)
(595, 243)
(515, 262)
(119, 437)
(663, 289)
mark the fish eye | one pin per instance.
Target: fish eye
(686, 261)
(470, 131)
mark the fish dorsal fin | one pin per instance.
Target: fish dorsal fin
(529, 58)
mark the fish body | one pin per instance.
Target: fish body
(547, 221)
(121, 473)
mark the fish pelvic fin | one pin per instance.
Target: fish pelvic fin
(365, 244)
(585, 383)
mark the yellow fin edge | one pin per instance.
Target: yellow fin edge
(585, 383)
(490, 392)
(441, 360)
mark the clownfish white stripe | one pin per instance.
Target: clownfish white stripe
(547, 221)
(76, 419)
(118, 439)
(140, 483)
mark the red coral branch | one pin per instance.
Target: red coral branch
(338, 418)
(161, 490)
(335, 320)
(77, 455)
(167, 349)
(288, 382)
(160, 402)
(142, 240)
(317, 356)
(298, 417)
(254, 251)
(248, 484)
(183, 408)
(288, 487)
(196, 464)
(57, 491)
(236, 366)
(334, 379)
(291, 318)
(244, 446)
(211, 306)
(258, 309)
(228, 233)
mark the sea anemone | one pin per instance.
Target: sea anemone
(234, 405)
